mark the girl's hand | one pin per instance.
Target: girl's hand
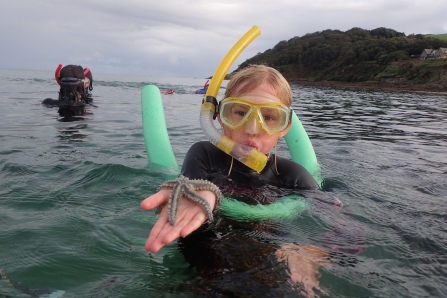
(190, 217)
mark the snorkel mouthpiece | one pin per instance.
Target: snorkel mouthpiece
(245, 154)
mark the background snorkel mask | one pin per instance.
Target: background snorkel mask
(249, 156)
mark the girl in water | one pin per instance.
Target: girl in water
(256, 112)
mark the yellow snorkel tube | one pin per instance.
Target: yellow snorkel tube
(245, 154)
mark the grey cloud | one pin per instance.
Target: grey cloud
(183, 38)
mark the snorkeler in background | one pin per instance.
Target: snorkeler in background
(169, 91)
(76, 84)
(204, 89)
(256, 112)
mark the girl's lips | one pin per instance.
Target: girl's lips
(250, 144)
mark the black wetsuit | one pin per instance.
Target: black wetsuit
(228, 254)
(206, 161)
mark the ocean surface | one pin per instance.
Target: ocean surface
(70, 191)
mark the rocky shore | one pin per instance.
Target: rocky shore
(391, 86)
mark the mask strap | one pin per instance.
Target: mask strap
(231, 166)
(276, 167)
(212, 100)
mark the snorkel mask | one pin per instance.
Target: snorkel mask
(249, 156)
(273, 117)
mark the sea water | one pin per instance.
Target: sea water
(70, 190)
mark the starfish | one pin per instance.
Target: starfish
(182, 186)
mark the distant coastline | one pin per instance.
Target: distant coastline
(397, 86)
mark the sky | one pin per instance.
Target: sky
(184, 38)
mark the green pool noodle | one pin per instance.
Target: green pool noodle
(156, 138)
(301, 149)
(287, 208)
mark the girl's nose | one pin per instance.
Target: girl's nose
(252, 126)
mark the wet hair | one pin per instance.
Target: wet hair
(72, 84)
(72, 71)
(249, 78)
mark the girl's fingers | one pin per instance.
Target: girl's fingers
(155, 200)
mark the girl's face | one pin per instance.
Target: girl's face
(251, 133)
